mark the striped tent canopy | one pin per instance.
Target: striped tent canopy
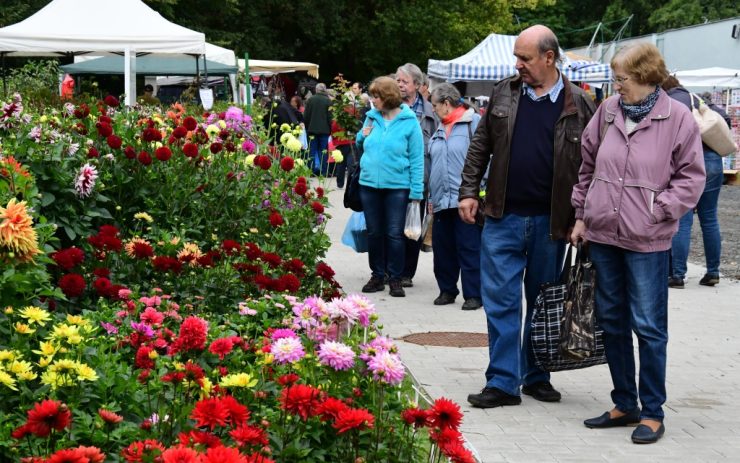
(493, 59)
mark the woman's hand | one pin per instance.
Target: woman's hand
(578, 233)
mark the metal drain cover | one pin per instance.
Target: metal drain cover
(448, 339)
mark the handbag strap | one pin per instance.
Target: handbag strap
(567, 264)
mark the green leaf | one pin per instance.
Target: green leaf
(47, 199)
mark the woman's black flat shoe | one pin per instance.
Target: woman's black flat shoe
(605, 421)
(643, 434)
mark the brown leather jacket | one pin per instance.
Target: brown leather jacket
(492, 141)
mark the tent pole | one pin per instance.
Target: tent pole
(5, 82)
(248, 88)
(197, 70)
(205, 68)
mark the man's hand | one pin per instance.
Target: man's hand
(467, 209)
(578, 233)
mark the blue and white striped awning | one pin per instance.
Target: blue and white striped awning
(493, 59)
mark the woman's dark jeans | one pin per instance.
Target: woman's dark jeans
(385, 216)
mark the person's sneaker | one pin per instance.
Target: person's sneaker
(444, 299)
(396, 289)
(542, 391)
(407, 282)
(491, 397)
(709, 280)
(676, 283)
(374, 285)
(472, 303)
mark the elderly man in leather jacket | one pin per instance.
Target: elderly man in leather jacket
(531, 136)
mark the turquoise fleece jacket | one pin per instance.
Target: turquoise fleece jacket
(393, 155)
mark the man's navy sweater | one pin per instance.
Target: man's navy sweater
(529, 183)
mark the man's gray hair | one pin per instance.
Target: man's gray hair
(321, 88)
(412, 71)
(446, 91)
(550, 42)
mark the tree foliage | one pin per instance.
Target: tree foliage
(363, 39)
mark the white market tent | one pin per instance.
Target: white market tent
(709, 77)
(100, 28)
(493, 59)
(261, 67)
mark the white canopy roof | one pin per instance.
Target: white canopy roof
(709, 77)
(266, 67)
(98, 27)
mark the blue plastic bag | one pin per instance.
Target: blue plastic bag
(355, 233)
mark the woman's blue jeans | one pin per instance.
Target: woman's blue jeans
(385, 216)
(632, 295)
(706, 209)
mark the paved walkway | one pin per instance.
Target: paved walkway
(703, 407)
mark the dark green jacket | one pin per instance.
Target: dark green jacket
(317, 115)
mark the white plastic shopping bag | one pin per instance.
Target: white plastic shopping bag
(412, 229)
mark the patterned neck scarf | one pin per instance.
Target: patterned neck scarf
(638, 111)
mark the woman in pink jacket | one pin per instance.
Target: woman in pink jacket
(642, 169)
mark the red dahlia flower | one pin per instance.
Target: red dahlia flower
(190, 123)
(416, 417)
(445, 414)
(237, 413)
(457, 453)
(300, 189)
(114, 141)
(68, 456)
(193, 334)
(199, 437)
(190, 150)
(324, 271)
(68, 258)
(353, 418)
(221, 347)
(92, 153)
(140, 451)
(142, 359)
(109, 417)
(93, 454)
(72, 284)
(290, 283)
(263, 162)
(287, 164)
(82, 111)
(271, 259)
(288, 379)
(330, 408)
(151, 134)
(216, 147)
(47, 416)
(163, 153)
(144, 158)
(222, 455)
(129, 152)
(317, 207)
(300, 399)
(103, 287)
(230, 247)
(104, 118)
(258, 458)
(319, 192)
(111, 101)
(210, 413)
(276, 219)
(180, 454)
(294, 266)
(179, 132)
(246, 435)
(104, 129)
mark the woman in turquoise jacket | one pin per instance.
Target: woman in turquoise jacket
(392, 174)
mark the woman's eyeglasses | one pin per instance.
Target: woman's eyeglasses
(619, 80)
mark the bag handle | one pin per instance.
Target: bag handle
(567, 265)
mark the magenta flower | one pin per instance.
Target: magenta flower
(283, 333)
(143, 329)
(287, 350)
(109, 328)
(387, 368)
(336, 355)
(363, 307)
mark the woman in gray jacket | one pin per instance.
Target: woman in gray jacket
(456, 244)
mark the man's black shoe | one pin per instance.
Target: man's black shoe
(396, 289)
(606, 421)
(375, 284)
(444, 299)
(542, 391)
(472, 303)
(491, 397)
(644, 435)
(676, 283)
(709, 280)
(407, 282)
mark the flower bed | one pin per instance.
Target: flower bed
(165, 300)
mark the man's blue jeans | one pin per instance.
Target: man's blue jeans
(632, 295)
(706, 209)
(385, 216)
(319, 158)
(515, 249)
